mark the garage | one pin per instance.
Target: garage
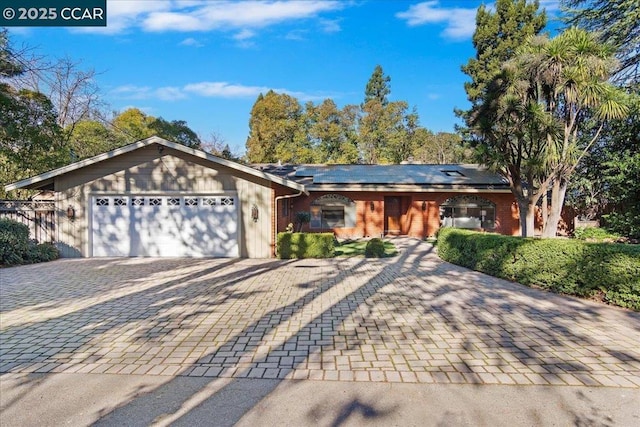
(156, 198)
(164, 225)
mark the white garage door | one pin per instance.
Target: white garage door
(165, 226)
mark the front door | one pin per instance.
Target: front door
(392, 215)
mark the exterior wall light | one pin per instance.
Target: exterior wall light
(372, 206)
(424, 205)
(255, 213)
(71, 212)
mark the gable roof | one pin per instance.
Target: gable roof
(424, 176)
(43, 179)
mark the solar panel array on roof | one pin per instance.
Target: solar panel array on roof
(400, 174)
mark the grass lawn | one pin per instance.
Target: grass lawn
(356, 248)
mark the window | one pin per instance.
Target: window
(468, 212)
(208, 201)
(119, 201)
(137, 201)
(173, 201)
(155, 201)
(190, 201)
(333, 211)
(102, 202)
(227, 201)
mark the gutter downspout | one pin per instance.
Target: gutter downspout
(275, 225)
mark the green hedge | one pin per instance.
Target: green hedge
(566, 266)
(306, 245)
(16, 248)
(374, 248)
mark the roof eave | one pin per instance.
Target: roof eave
(50, 175)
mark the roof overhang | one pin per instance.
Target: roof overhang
(45, 179)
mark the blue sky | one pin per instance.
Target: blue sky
(205, 62)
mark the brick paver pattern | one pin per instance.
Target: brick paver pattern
(410, 318)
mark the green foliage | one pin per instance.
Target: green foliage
(609, 178)
(498, 128)
(594, 233)
(377, 88)
(375, 248)
(358, 247)
(133, 125)
(89, 138)
(14, 242)
(302, 218)
(16, 248)
(615, 22)
(378, 131)
(276, 131)
(31, 141)
(500, 31)
(43, 252)
(566, 266)
(305, 245)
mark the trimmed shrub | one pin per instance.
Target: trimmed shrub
(16, 248)
(44, 252)
(305, 245)
(594, 233)
(571, 267)
(14, 242)
(374, 248)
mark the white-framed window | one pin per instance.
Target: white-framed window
(468, 212)
(332, 211)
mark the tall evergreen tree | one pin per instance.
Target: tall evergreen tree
(377, 88)
(499, 132)
(498, 34)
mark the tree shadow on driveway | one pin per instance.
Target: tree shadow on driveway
(410, 318)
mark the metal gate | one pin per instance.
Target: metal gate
(39, 216)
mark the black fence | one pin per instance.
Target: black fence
(39, 216)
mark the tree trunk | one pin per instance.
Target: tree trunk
(526, 211)
(555, 210)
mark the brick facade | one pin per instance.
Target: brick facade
(419, 213)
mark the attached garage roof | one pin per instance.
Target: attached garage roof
(45, 179)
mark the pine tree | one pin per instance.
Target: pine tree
(378, 87)
(498, 34)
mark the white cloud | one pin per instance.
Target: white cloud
(224, 90)
(204, 89)
(459, 23)
(330, 25)
(166, 93)
(190, 41)
(296, 35)
(244, 35)
(207, 16)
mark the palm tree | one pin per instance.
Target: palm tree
(548, 92)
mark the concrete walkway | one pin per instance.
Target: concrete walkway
(408, 319)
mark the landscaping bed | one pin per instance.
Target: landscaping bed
(606, 271)
(325, 245)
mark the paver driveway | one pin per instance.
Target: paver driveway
(412, 318)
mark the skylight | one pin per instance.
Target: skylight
(453, 173)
